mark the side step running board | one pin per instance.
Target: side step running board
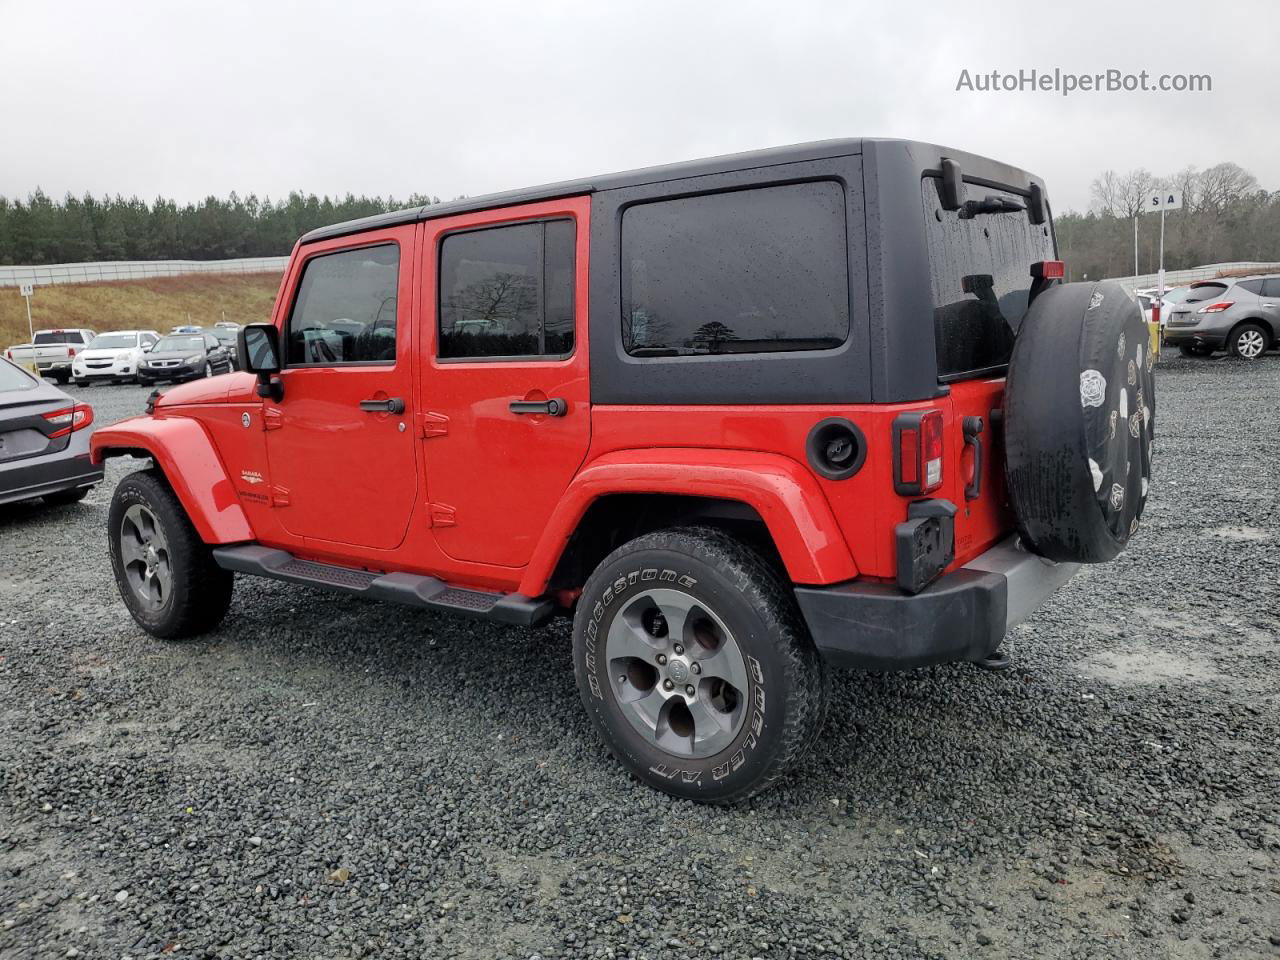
(409, 588)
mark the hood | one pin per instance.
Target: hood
(175, 354)
(229, 387)
(106, 354)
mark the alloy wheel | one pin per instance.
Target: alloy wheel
(677, 673)
(144, 555)
(1250, 344)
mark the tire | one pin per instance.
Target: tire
(1079, 421)
(1249, 341)
(64, 498)
(733, 604)
(187, 594)
(62, 378)
(208, 371)
(1192, 350)
(82, 383)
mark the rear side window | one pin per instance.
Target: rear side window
(750, 271)
(1250, 286)
(345, 310)
(1205, 291)
(980, 275)
(508, 291)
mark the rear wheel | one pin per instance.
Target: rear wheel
(164, 571)
(1194, 350)
(62, 377)
(1248, 341)
(695, 665)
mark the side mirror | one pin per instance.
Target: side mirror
(258, 350)
(146, 347)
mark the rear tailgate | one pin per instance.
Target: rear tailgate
(980, 272)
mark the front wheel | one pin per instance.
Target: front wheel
(1248, 342)
(208, 370)
(695, 665)
(164, 571)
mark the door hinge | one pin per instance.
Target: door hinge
(441, 514)
(279, 496)
(432, 424)
(272, 419)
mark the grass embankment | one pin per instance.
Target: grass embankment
(157, 303)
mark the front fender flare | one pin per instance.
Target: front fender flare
(785, 495)
(181, 447)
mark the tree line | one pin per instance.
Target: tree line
(1226, 216)
(41, 230)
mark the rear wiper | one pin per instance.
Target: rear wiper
(990, 204)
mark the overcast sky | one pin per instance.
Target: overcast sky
(187, 99)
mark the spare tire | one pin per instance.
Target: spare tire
(1079, 420)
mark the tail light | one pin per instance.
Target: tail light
(71, 351)
(917, 452)
(1049, 269)
(1217, 307)
(69, 419)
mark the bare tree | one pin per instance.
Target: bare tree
(1134, 188)
(1224, 185)
(1105, 191)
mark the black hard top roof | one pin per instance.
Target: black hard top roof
(794, 153)
(817, 150)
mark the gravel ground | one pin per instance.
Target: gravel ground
(332, 778)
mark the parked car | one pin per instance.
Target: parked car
(115, 356)
(184, 356)
(44, 441)
(227, 325)
(793, 443)
(1240, 315)
(52, 351)
(226, 335)
(187, 328)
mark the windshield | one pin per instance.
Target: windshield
(58, 336)
(14, 378)
(980, 271)
(178, 343)
(114, 341)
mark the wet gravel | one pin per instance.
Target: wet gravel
(330, 778)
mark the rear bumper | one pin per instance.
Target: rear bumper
(36, 476)
(964, 615)
(1188, 336)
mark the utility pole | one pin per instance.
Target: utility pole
(1136, 271)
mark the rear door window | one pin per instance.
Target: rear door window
(980, 275)
(748, 271)
(1271, 287)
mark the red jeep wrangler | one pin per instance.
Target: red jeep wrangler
(744, 419)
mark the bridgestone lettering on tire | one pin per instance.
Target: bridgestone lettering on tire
(1079, 422)
(695, 666)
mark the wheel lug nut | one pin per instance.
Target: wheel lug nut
(689, 690)
(662, 659)
(679, 649)
(667, 685)
(696, 668)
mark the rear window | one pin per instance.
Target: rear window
(1205, 291)
(59, 336)
(14, 378)
(980, 274)
(749, 271)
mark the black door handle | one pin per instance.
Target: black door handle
(972, 428)
(390, 405)
(555, 407)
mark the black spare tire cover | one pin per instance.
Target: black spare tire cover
(1079, 420)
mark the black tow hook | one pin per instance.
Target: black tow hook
(997, 661)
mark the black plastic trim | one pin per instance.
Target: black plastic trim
(407, 588)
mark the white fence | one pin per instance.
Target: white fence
(1176, 278)
(133, 270)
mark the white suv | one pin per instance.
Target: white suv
(114, 356)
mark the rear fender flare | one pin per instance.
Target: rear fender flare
(785, 495)
(182, 449)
